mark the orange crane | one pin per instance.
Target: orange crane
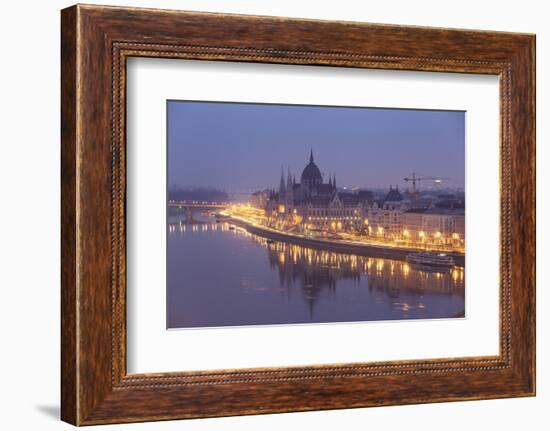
(414, 179)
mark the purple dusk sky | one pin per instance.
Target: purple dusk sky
(241, 147)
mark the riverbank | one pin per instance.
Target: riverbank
(341, 246)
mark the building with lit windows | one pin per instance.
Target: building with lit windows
(259, 199)
(434, 226)
(314, 204)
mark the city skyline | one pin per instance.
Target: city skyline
(211, 144)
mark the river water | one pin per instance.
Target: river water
(218, 275)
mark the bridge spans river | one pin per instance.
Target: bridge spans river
(190, 206)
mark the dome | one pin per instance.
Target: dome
(311, 173)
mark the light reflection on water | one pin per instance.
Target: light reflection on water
(220, 275)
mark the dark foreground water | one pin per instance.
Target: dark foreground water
(218, 276)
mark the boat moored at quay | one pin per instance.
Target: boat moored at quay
(439, 260)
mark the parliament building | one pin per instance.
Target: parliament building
(316, 204)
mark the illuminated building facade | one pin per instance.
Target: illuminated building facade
(259, 199)
(434, 226)
(315, 204)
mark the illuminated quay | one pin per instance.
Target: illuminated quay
(362, 247)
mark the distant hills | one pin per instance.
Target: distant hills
(202, 194)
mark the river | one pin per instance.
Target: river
(219, 275)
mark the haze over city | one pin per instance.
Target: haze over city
(241, 147)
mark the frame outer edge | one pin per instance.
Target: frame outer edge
(532, 101)
(533, 54)
(523, 216)
(69, 202)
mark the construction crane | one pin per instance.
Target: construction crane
(414, 179)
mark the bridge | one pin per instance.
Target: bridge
(190, 206)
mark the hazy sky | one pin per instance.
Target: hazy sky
(241, 147)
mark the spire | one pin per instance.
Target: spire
(311, 156)
(330, 181)
(288, 178)
(282, 184)
(334, 181)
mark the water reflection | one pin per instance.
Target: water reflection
(235, 285)
(314, 270)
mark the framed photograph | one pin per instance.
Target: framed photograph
(266, 215)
